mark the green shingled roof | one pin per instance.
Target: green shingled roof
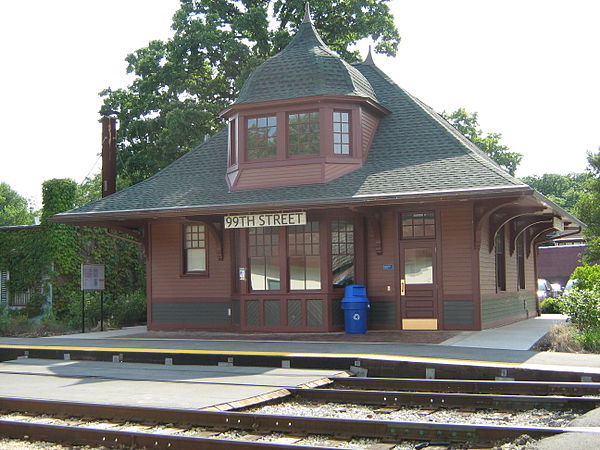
(414, 152)
(305, 68)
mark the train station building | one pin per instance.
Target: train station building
(329, 174)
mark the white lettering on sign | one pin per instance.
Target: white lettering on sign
(265, 220)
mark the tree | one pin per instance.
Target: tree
(468, 125)
(588, 209)
(564, 190)
(14, 209)
(181, 84)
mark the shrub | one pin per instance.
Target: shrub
(590, 340)
(588, 277)
(551, 306)
(130, 309)
(35, 305)
(583, 307)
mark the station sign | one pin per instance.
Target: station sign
(92, 277)
(282, 219)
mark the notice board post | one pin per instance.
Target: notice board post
(92, 279)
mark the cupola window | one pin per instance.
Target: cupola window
(303, 133)
(341, 133)
(261, 137)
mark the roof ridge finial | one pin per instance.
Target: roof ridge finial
(307, 18)
(369, 59)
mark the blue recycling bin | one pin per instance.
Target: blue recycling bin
(355, 305)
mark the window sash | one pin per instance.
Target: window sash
(341, 133)
(261, 137)
(194, 248)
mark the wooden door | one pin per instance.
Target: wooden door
(418, 285)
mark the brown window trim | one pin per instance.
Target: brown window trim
(184, 273)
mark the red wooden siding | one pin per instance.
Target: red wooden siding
(369, 126)
(290, 175)
(168, 282)
(457, 251)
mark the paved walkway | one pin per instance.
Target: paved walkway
(516, 336)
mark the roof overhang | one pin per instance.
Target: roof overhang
(88, 218)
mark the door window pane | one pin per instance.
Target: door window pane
(304, 260)
(342, 253)
(418, 265)
(263, 249)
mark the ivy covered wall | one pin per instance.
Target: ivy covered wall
(52, 254)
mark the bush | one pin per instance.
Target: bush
(590, 340)
(551, 306)
(583, 307)
(588, 277)
(35, 305)
(130, 309)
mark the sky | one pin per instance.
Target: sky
(530, 69)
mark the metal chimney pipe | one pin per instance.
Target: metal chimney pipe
(109, 155)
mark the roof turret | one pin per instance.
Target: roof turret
(305, 68)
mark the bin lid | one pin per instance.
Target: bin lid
(355, 290)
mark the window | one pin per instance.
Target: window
(303, 134)
(417, 225)
(342, 253)
(263, 250)
(341, 133)
(521, 262)
(500, 261)
(232, 143)
(261, 137)
(195, 248)
(304, 256)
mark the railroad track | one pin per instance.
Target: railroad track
(395, 393)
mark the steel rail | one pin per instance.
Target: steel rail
(569, 388)
(446, 400)
(78, 435)
(263, 423)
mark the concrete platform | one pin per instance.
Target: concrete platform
(150, 385)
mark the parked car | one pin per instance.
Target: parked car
(570, 285)
(557, 289)
(544, 289)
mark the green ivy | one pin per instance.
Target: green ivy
(54, 252)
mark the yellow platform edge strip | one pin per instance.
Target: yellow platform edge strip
(255, 353)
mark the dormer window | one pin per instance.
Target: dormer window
(341, 133)
(261, 136)
(304, 134)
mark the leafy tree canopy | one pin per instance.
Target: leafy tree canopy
(468, 125)
(14, 209)
(564, 190)
(588, 209)
(181, 84)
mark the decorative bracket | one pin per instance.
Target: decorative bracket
(501, 219)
